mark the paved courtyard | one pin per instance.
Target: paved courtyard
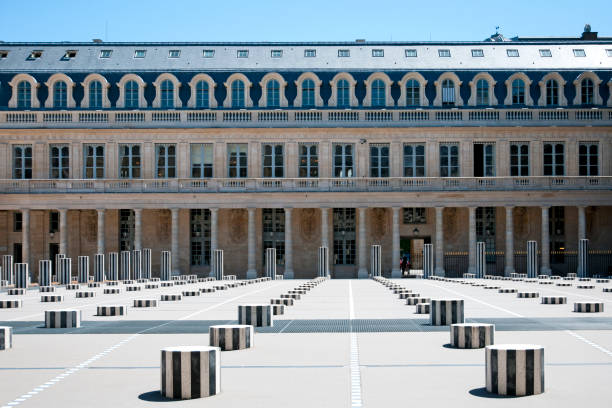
(345, 343)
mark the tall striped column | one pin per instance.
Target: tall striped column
(532, 259)
(583, 258)
(375, 262)
(427, 260)
(166, 265)
(136, 264)
(113, 266)
(7, 268)
(57, 265)
(44, 272)
(323, 261)
(124, 273)
(146, 263)
(65, 271)
(217, 264)
(22, 276)
(83, 269)
(481, 260)
(271, 263)
(99, 268)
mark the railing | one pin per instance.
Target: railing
(254, 185)
(390, 117)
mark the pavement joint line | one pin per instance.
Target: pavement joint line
(590, 343)
(60, 377)
(287, 325)
(355, 369)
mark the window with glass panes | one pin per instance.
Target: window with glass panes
(449, 160)
(165, 163)
(202, 98)
(167, 94)
(308, 93)
(53, 221)
(414, 160)
(59, 165)
(200, 236)
(519, 159)
(586, 92)
(413, 93)
(415, 215)
(554, 159)
(344, 99)
(378, 93)
(273, 94)
(95, 95)
(60, 95)
(482, 92)
(556, 228)
(379, 160)
(17, 221)
(343, 160)
(518, 92)
(552, 93)
(22, 162)
(484, 160)
(93, 161)
(309, 160)
(131, 94)
(274, 233)
(485, 230)
(24, 95)
(237, 160)
(238, 94)
(129, 161)
(448, 93)
(588, 159)
(127, 221)
(344, 236)
(273, 165)
(201, 160)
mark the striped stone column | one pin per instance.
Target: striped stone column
(65, 271)
(190, 372)
(271, 263)
(472, 335)
(6, 337)
(146, 263)
(375, 261)
(256, 315)
(83, 269)
(57, 265)
(217, 264)
(428, 260)
(22, 275)
(481, 260)
(44, 272)
(7, 268)
(67, 318)
(323, 261)
(113, 266)
(136, 264)
(583, 258)
(166, 265)
(124, 273)
(231, 337)
(532, 259)
(99, 268)
(446, 311)
(515, 369)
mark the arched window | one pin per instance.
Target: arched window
(238, 94)
(413, 93)
(586, 91)
(552, 93)
(378, 94)
(202, 99)
(518, 92)
(448, 93)
(60, 95)
(273, 94)
(95, 95)
(308, 93)
(24, 95)
(167, 94)
(344, 94)
(131, 94)
(482, 92)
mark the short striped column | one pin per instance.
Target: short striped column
(166, 265)
(22, 275)
(583, 258)
(146, 263)
(527, 295)
(515, 369)
(145, 302)
(231, 337)
(271, 263)
(189, 372)
(422, 308)
(62, 319)
(113, 266)
(481, 260)
(112, 291)
(554, 300)
(65, 271)
(111, 310)
(58, 257)
(11, 304)
(99, 268)
(44, 272)
(136, 264)
(6, 337)
(472, 335)
(428, 261)
(375, 261)
(85, 294)
(52, 298)
(217, 264)
(83, 269)
(124, 273)
(7, 268)
(588, 307)
(532, 259)
(170, 298)
(323, 262)
(46, 289)
(256, 315)
(446, 311)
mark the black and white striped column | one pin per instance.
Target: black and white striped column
(231, 337)
(11, 304)
(65, 271)
(428, 261)
(217, 264)
(113, 266)
(83, 269)
(99, 268)
(375, 261)
(58, 257)
(7, 269)
(472, 335)
(22, 275)
(145, 302)
(6, 337)
(271, 263)
(323, 261)
(256, 315)
(44, 272)
(481, 260)
(166, 265)
(112, 310)
(136, 264)
(446, 311)
(554, 300)
(146, 263)
(67, 318)
(532, 259)
(583, 258)
(515, 369)
(189, 372)
(124, 273)
(588, 307)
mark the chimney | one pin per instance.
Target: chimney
(588, 35)
(97, 40)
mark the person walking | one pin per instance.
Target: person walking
(404, 265)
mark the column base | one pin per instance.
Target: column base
(251, 274)
(362, 273)
(396, 273)
(438, 271)
(288, 274)
(545, 271)
(508, 270)
(471, 269)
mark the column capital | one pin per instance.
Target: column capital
(509, 206)
(545, 207)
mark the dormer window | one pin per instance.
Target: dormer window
(444, 53)
(546, 53)
(70, 54)
(378, 53)
(579, 53)
(174, 54)
(276, 53)
(411, 53)
(140, 53)
(512, 53)
(105, 53)
(208, 53)
(310, 53)
(344, 53)
(3, 54)
(34, 55)
(477, 53)
(242, 54)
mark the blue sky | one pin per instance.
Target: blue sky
(286, 20)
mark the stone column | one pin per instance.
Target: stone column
(101, 227)
(63, 249)
(288, 245)
(325, 227)
(396, 272)
(545, 245)
(439, 269)
(509, 241)
(214, 245)
(175, 241)
(581, 223)
(138, 229)
(25, 237)
(472, 240)
(363, 269)
(251, 270)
